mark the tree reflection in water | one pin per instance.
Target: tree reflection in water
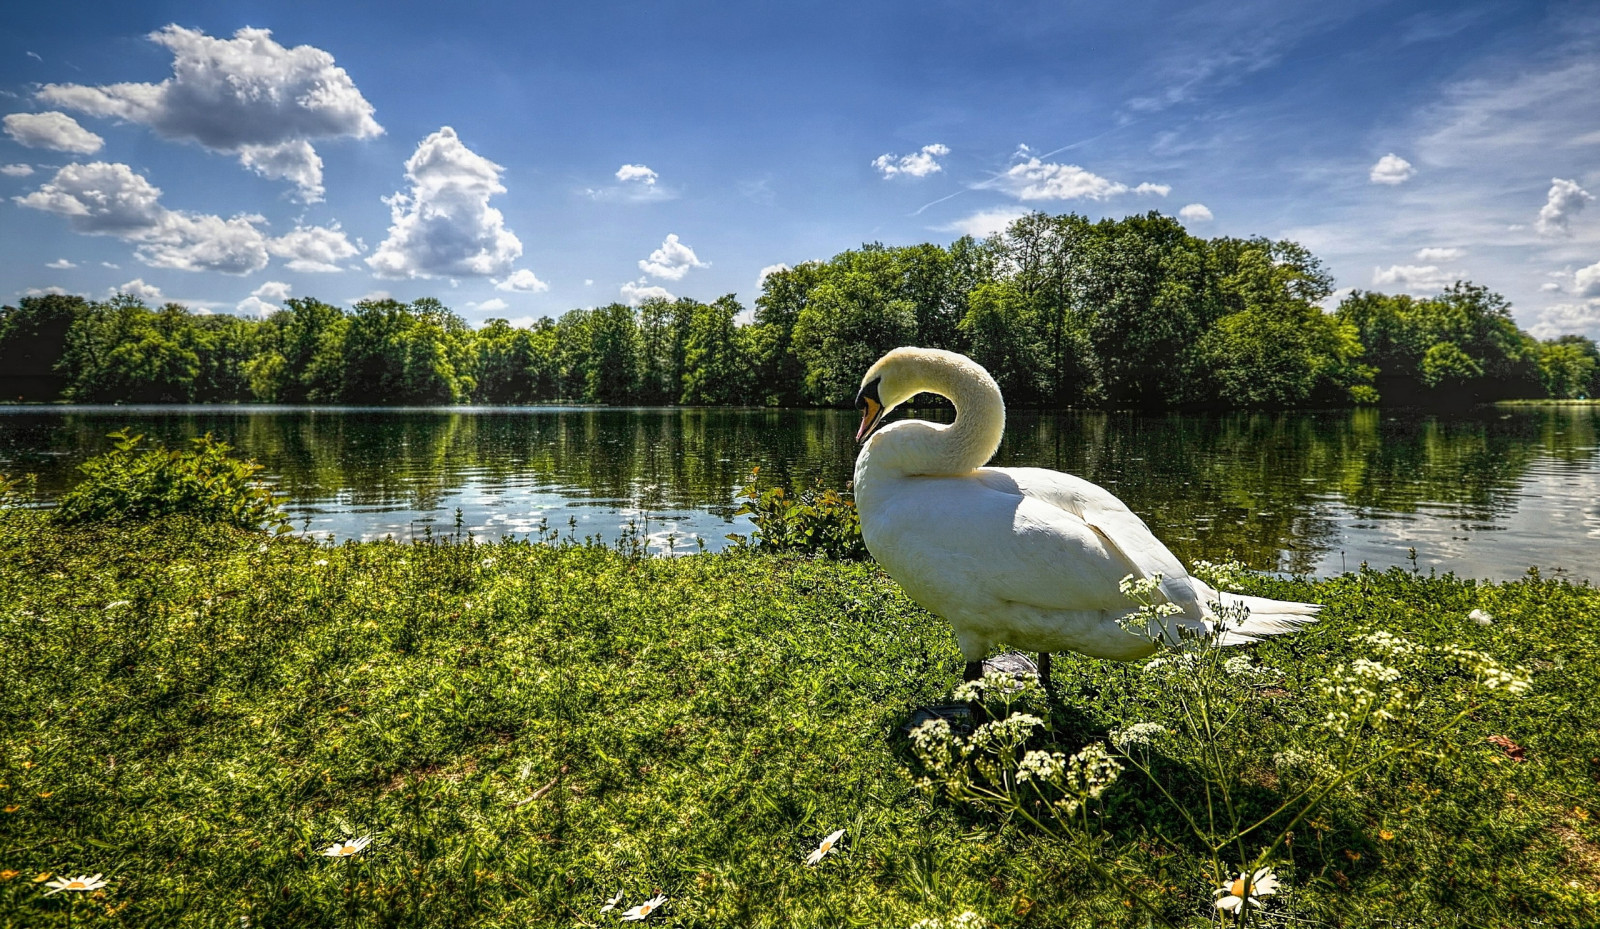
(1485, 492)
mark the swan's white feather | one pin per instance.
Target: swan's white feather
(1028, 557)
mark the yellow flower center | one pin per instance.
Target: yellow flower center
(76, 885)
(827, 847)
(1237, 888)
(645, 908)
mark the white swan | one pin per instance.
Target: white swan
(1028, 557)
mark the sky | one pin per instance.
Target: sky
(520, 160)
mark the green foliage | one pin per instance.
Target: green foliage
(130, 484)
(810, 522)
(527, 729)
(1131, 312)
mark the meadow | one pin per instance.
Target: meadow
(527, 728)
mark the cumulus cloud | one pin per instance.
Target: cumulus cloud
(1565, 200)
(917, 164)
(1562, 318)
(639, 174)
(768, 271)
(55, 131)
(264, 300)
(1391, 169)
(522, 281)
(672, 260)
(60, 264)
(445, 226)
(1586, 281)
(246, 96)
(1043, 180)
(16, 170)
(1439, 254)
(101, 198)
(1195, 213)
(149, 294)
(637, 292)
(314, 248)
(1416, 278)
(985, 223)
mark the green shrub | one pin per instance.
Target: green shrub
(132, 484)
(812, 522)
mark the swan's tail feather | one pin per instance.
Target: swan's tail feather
(1247, 619)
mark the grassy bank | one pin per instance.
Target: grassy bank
(528, 729)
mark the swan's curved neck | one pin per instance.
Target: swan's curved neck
(920, 447)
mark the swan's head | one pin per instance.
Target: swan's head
(905, 372)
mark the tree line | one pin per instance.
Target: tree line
(1064, 311)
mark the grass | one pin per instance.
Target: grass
(527, 729)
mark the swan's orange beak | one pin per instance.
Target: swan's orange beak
(871, 416)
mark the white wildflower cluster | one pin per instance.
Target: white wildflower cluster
(1240, 667)
(1361, 696)
(1181, 662)
(1087, 776)
(1490, 674)
(1229, 574)
(1150, 619)
(1294, 761)
(993, 684)
(1040, 766)
(967, 920)
(1138, 734)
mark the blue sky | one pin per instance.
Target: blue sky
(519, 160)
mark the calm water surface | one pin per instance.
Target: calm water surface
(1484, 493)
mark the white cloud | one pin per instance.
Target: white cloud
(150, 294)
(55, 131)
(637, 174)
(114, 267)
(917, 164)
(60, 264)
(45, 291)
(522, 281)
(1195, 213)
(768, 271)
(1565, 200)
(985, 223)
(1391, 169)
(1423, 279)
(672, 260)
(1563, 318)
(314, 248)
(16, 170)
(445, 225)
(247, 96)
(637, 292)
(110, 199)
(1042, 180)
(1550, 287)
(1586, 281)
(1439, 254)
(257, 303)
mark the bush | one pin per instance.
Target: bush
(812, 522)
(128, 484)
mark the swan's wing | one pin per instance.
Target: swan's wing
(1119, 528)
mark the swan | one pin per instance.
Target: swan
(1029, 557)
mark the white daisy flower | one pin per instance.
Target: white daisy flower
(1261, 884)
(74, 883)
(612, 903)
(1481, 617)
(348, 847)
(644, 909)
(321, 562)
(830, 844)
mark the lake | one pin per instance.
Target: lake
(1482, 493)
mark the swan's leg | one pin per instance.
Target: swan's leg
(973, 672)
(1044, 673)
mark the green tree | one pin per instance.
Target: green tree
(1569, 367)
(33, 339)
(714, 371)
(614, 350)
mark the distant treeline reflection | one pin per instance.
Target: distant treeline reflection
(1065, 312)
(1255, 486)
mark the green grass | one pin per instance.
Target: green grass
(527, 729)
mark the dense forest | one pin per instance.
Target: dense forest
(1063, 311)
